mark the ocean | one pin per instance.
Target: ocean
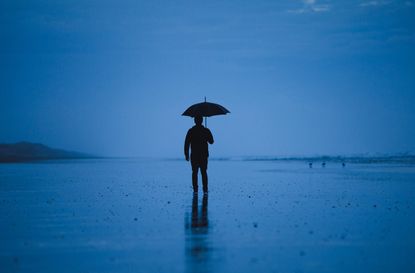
(140, 215)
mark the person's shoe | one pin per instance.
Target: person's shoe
(205, 192)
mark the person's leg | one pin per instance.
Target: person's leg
(203, 171)
(194, 177)
(204, 180)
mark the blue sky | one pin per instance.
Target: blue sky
(300, 77)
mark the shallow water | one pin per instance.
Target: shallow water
(139, 215)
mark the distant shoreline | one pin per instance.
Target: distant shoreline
(21, 152)
(342, 159)
(43, 159)
(408, 159)
(30, 152)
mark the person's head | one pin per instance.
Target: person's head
(198, 120)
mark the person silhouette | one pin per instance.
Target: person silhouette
(197, 138)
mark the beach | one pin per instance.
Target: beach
(140, 215)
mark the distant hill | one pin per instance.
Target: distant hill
(26, 151)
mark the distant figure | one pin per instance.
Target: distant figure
(197, 139)
(310, 165)
(344, 164)
(323, 164)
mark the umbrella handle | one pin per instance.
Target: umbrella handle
(205, 117)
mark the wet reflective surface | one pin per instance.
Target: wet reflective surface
(197, 236)
(135, 215)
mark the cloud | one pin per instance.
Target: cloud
(381, 3)
(373, 3)
(321, 8)
(311, 6)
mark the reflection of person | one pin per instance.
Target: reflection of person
(197, 139)
(197, 242)
(199, 221)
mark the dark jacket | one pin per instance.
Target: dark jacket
(198, 138)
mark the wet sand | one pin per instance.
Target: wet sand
(136, 215)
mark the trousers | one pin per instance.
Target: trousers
(201, 163)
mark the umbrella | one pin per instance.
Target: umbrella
(205, 109)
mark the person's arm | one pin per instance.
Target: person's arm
(187, 145)
(209, 137)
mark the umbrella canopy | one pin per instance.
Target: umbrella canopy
(205, 109)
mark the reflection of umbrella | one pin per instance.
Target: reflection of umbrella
(205, 109)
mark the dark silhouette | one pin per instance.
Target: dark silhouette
(197, 138)
(197, 240)
(205, 109)
(323, 164)
(199, 220)
(310, 165)
(344, 164)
